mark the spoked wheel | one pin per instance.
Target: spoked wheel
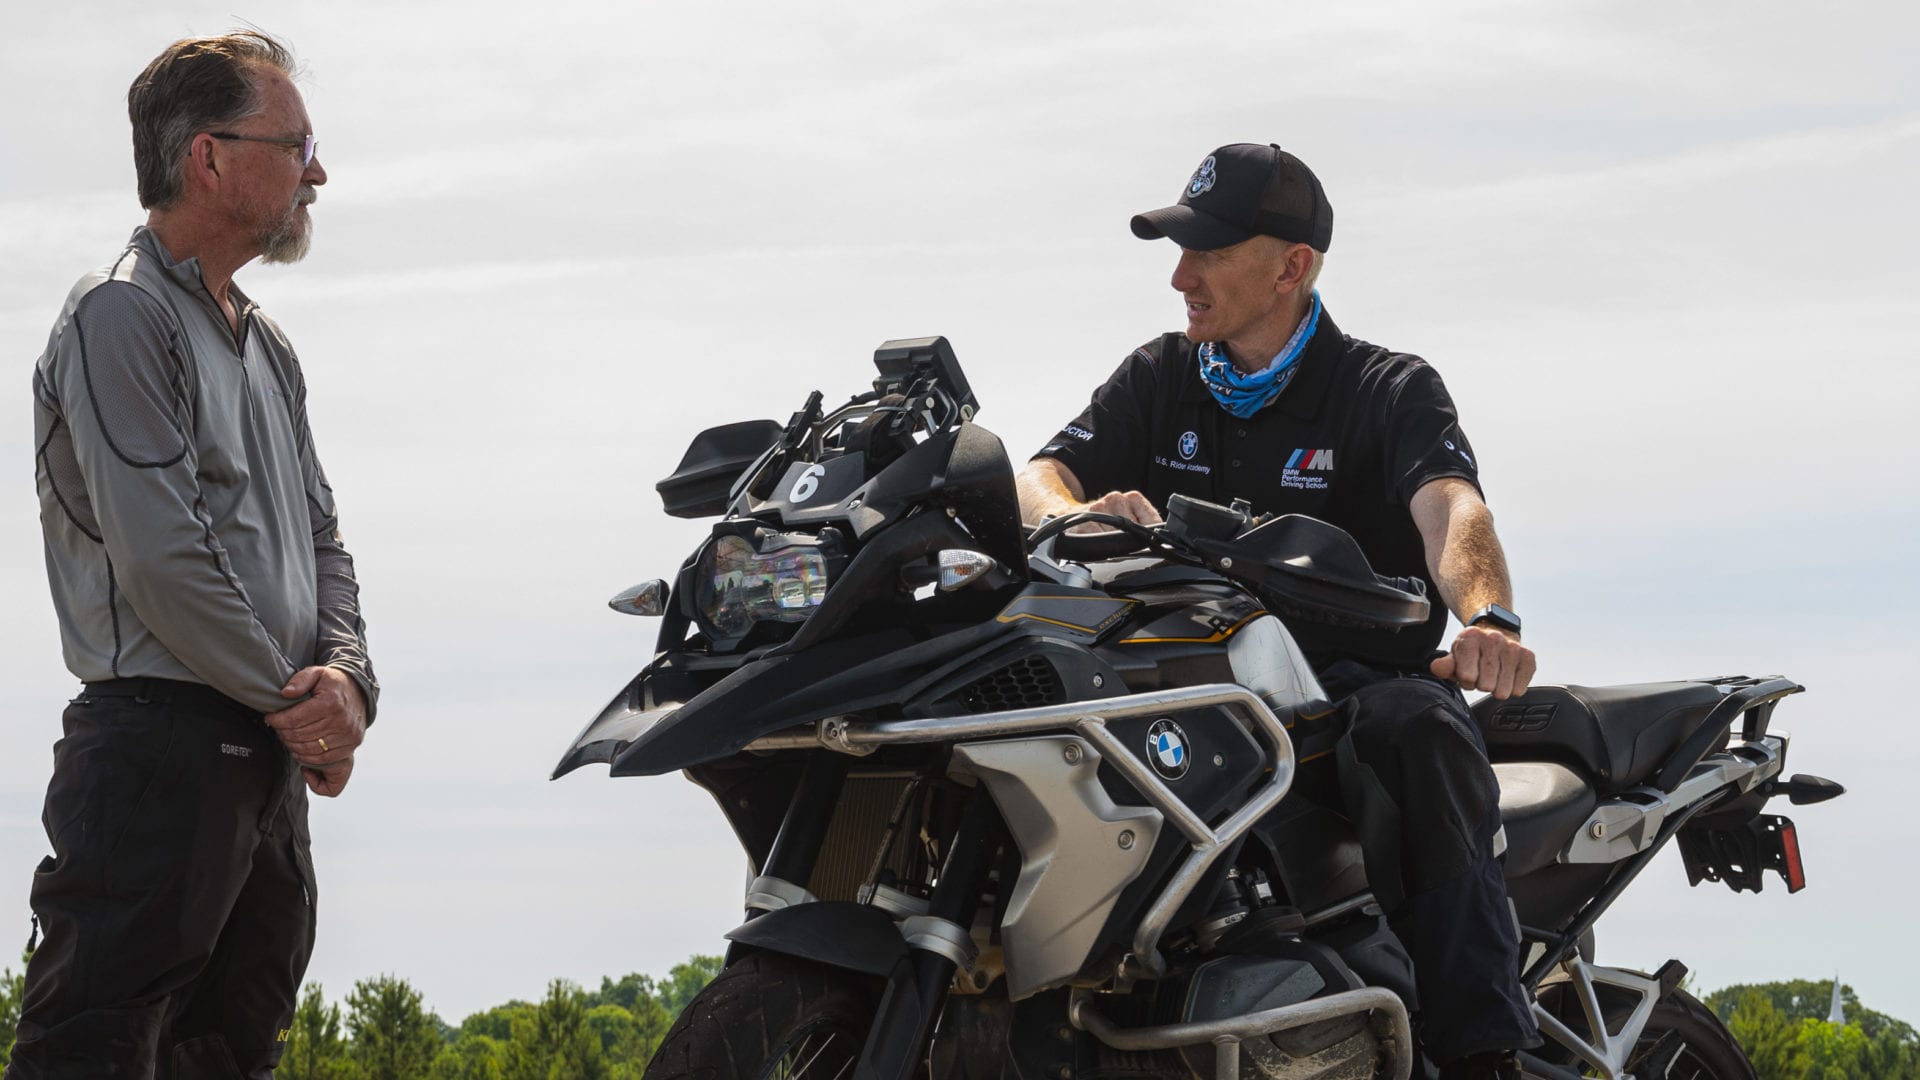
(1683, 1040)
(823, 1050)
(770, 1017)
(1705, 1049)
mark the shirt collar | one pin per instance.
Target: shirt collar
(185, 273)
(1303, 397)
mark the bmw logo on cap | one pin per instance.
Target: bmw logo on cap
(1203, 176)
(1167, 749)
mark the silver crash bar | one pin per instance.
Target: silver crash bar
(1089, 719)
(1227, 1035)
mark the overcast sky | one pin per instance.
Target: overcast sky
(1662, 254)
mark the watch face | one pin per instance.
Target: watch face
(1498, 616)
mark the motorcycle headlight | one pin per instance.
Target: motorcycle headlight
(769, 578)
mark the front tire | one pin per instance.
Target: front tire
(770, 1017)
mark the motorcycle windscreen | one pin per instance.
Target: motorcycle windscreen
(966, 471)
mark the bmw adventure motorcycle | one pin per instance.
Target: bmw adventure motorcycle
(1049, 805)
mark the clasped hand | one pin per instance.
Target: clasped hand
(322, 731)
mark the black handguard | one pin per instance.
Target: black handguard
(1095, 546)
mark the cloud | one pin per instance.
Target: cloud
(1656, 252)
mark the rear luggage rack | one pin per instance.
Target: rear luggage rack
(1626, 825)
(1753, 697)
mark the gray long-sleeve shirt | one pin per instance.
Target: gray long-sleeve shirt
(190, 532)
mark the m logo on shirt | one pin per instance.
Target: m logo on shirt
(1301, 464)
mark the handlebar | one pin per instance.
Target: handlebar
(1123, 536)
(1299, 565)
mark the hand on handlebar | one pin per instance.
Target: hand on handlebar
(1127, 504)
(1485, 658)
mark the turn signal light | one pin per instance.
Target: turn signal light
(646, 598)
(960, 567)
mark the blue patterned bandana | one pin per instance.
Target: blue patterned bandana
(1244, 395)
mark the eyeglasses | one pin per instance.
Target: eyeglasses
(308, 144)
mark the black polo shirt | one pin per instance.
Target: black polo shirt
(1357, 432)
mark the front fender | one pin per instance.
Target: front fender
(838, 933)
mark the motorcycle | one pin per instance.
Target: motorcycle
(1049, 804)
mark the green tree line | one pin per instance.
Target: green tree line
(1784, 1030)
(11, 982)
(386, 1032)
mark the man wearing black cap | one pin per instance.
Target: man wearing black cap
(1264, 399)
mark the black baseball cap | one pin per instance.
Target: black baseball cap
(1242, 191)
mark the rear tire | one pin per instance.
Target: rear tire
(1710, 1052)
(770, 1017)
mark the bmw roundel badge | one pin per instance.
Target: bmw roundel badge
(1189, 445)
(1202, 181)
(1167, 749)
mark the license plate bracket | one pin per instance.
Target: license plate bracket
(1739, 855)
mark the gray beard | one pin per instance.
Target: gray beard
(287, 242)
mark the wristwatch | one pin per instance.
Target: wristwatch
(1495, 615)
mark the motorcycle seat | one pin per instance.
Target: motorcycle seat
(1615, 736)
(1542, 804)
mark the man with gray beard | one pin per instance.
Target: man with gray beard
(204, 599)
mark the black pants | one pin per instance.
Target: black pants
(1415, 777)
(178, 906)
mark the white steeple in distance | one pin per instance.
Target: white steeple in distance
(1837, 1014)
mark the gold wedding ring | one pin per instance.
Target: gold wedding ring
(323, 745)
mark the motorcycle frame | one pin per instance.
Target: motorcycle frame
(1605, 1049)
